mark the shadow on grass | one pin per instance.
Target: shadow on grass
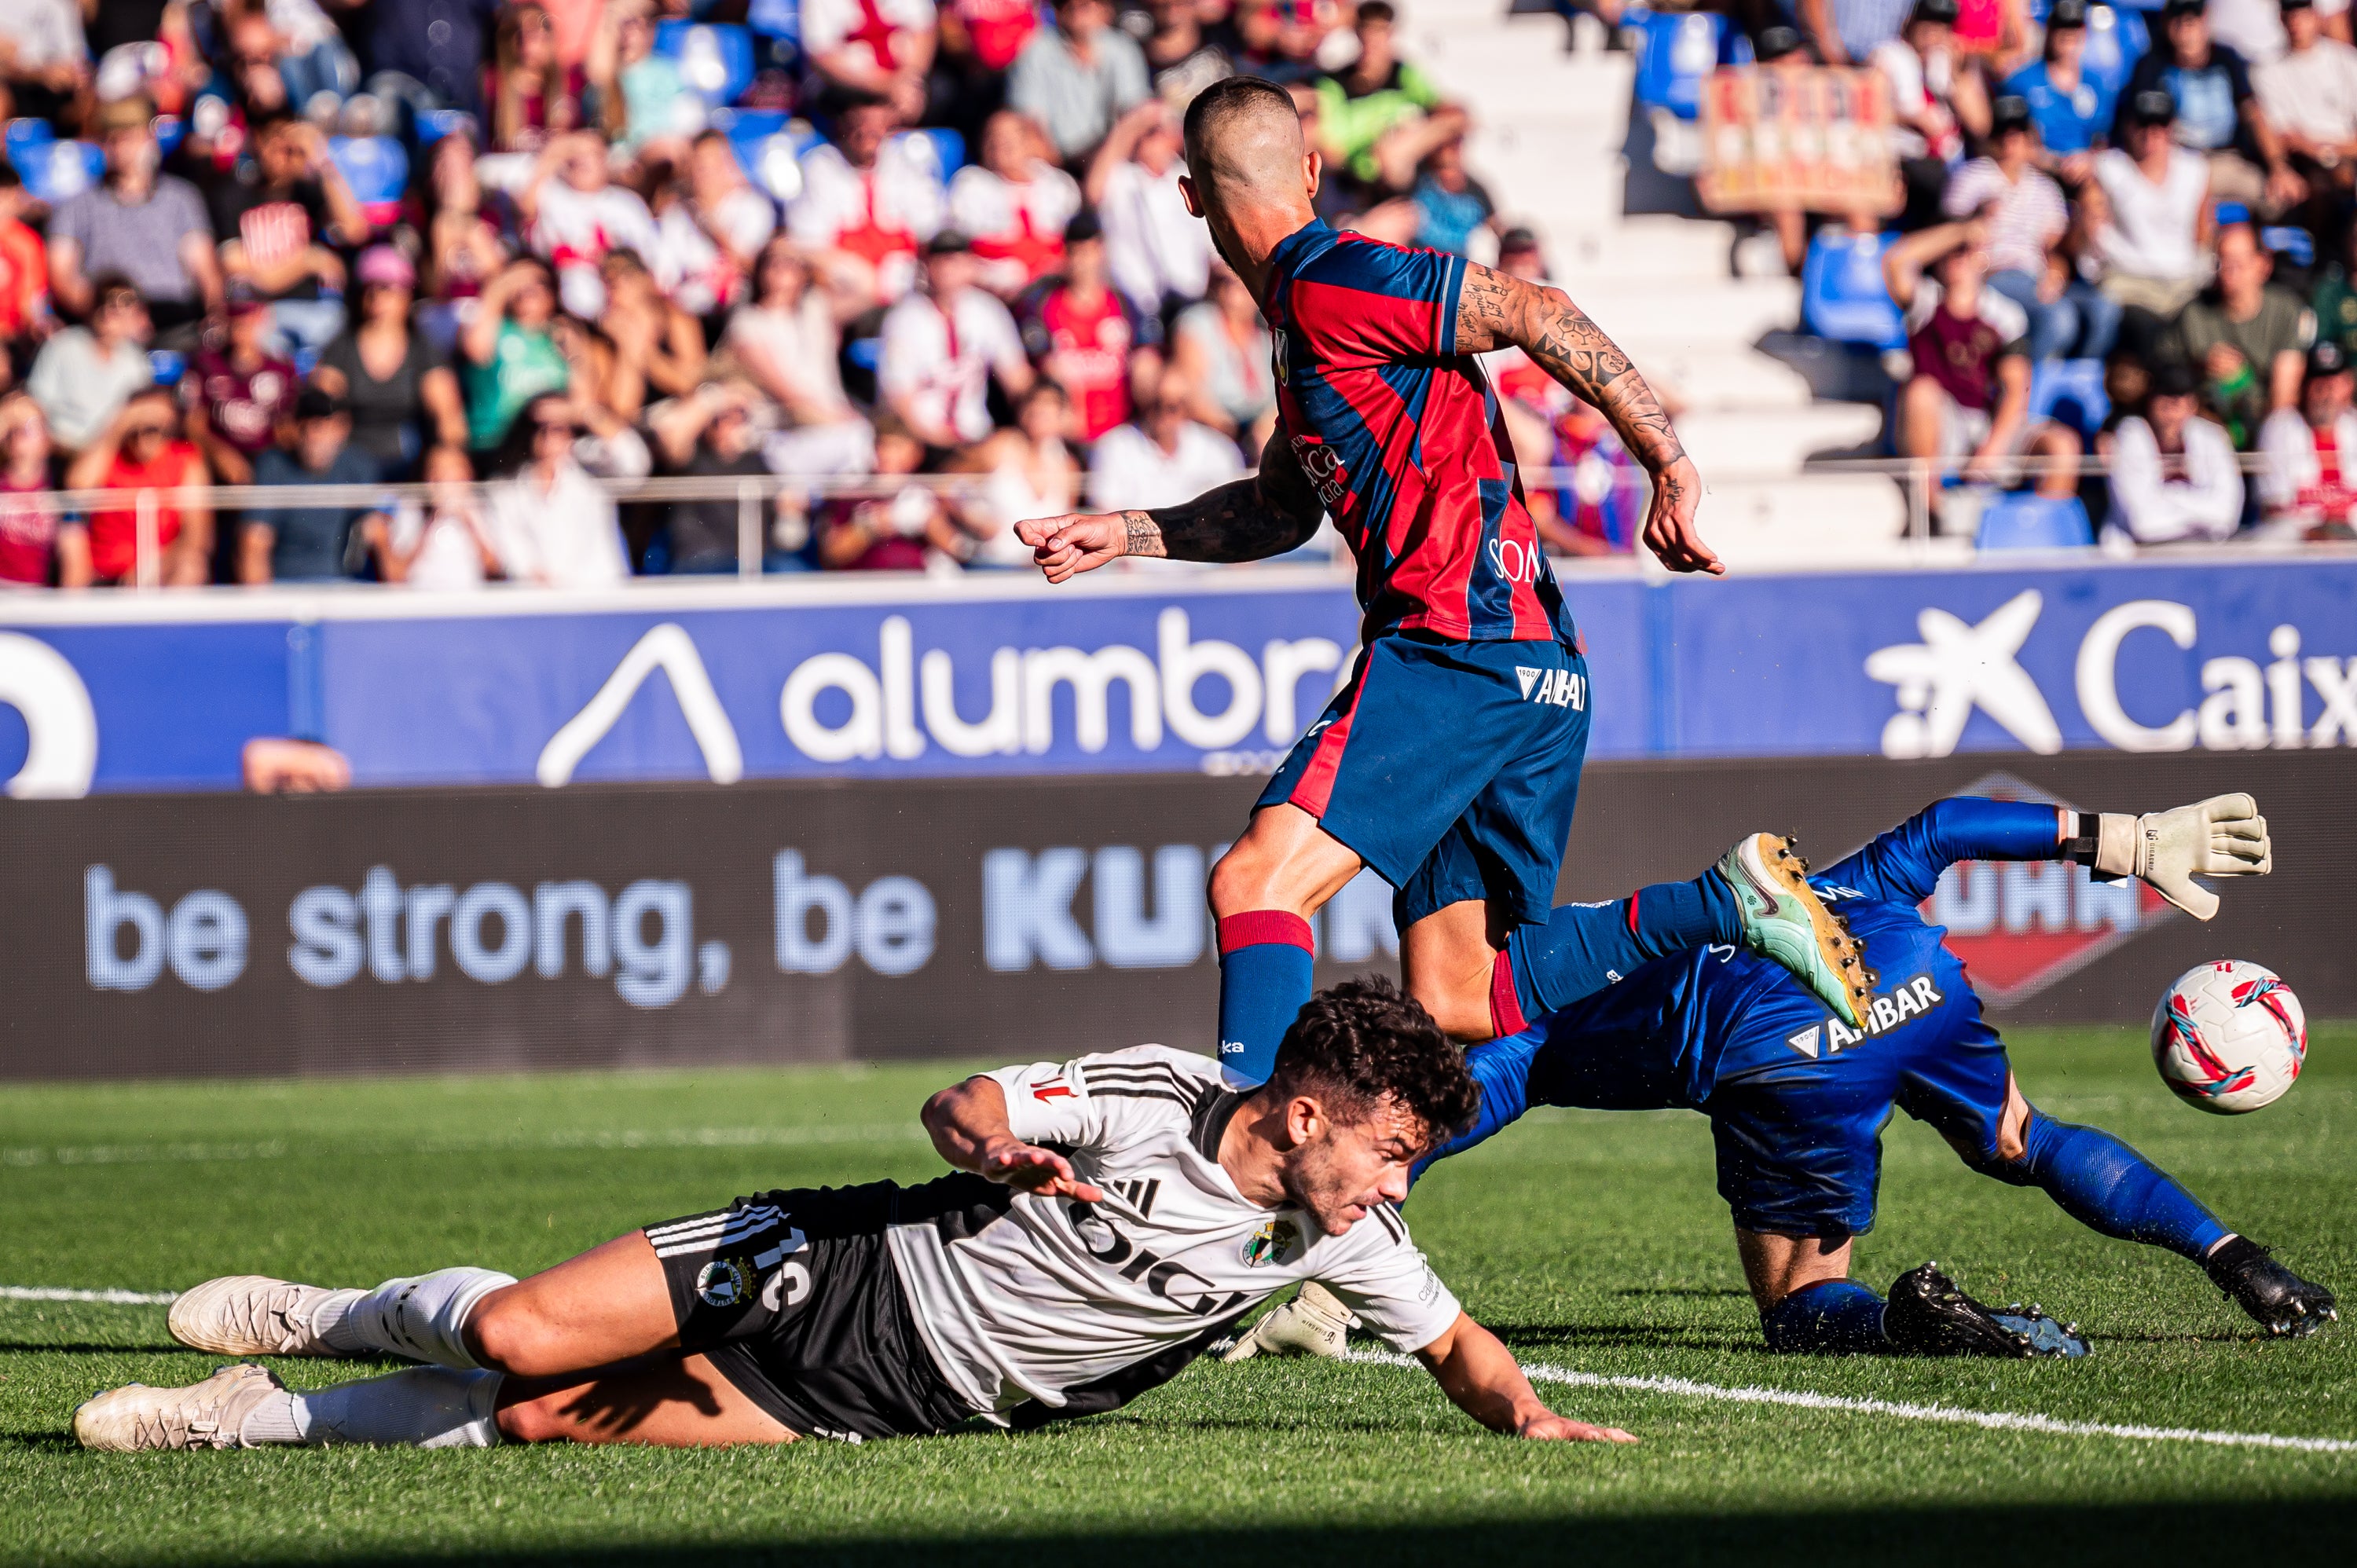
(91, 1348)
(1556, 1336)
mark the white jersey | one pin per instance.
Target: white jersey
(1054, 1296)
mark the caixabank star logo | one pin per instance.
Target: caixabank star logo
(2021, 926)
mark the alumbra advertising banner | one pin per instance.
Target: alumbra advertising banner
(1199, 673)
(1022, 919)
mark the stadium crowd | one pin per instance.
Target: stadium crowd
(511, 250)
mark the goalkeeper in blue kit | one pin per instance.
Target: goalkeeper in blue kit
(1797, 1100)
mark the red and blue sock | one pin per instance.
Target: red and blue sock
(1265, 958)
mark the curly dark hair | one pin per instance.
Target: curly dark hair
(1364, 1039)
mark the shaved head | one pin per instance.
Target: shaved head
(1249, 174)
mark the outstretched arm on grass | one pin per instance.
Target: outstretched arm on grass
(1487, 1383)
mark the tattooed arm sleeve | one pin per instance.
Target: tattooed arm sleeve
(1251, 520)
(1496, 309)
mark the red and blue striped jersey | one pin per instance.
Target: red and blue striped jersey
(1402, 438)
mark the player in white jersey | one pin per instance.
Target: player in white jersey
(1121, 1212)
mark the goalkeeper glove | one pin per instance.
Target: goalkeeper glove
(1312, 1324)
(2222, 836)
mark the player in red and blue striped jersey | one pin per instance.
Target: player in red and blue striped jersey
(1450, 760)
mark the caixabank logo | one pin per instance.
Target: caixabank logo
(2021, 926)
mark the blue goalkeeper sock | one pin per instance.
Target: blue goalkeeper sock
(1832, 1317)
(1583, 948)
(1264, 978)
(1503, 1070)
(2108, 1186)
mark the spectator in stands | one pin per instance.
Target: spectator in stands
(2027, 219)
(647, 107)
(867, 199)
(1451, 206)
(1968, 397)
(2152, 234)
(1163, 458)
(1847, 32)
(38, 546)
(2309, 96)
(399, 389)
(576, 215)
(899, 531)
(1221, 351)
(943, 345)
(1383, 115)
(1158, 251)
(437, 44)
(531, 93)
(644, 346)
(1014, 205)
(1078, 80)
(510, 354)
(1084, 335)
(2073, 111)
(139, 451)
(24, 273)
(463, 247)
(310, 55)
(277, 230)
(2173, 474)
(551, 523)
(787, 341)
(2217, 115)
(84, 374)
(709, 433)
(2247, 338)
(706, 237)
(2255, 29)
(1934, 105)
(882, 49)
(1600, 511)
(1181, 56)
(990, 34)
(2310, 483)
(147, 226)
(1996, 33)
(44, 62)
(255, 84)
(308, 543)
(1028, 471)
(443, 544)
(237, 392)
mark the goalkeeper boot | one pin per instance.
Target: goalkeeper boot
(2047, 1336)
(253, 1314)
(2280, 1301)
(1312, 1323)
(138, 1419)
(1929, 1316)
(1783, 919)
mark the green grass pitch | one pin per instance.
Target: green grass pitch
(1589, 1241)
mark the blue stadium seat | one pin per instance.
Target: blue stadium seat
(715, 58)
(2116, 38)
(2031, 521)
(377, 168)
(2294, 245)
(435, 123)
(171, 130)
(776, 19)
(1677, 53)
(1842, 292)
(944, 146)
(28, 133)
(53, 170)
(2070, 392)
(773, 163)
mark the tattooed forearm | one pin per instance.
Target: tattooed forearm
(1234, 522)
(1495, 309)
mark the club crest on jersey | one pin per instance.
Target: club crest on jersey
(1554, 688)
(1274, 1242)
(725, 1282)
(1914, 996)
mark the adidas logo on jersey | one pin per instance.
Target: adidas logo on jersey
(1558, 688)
(1138, 1193)
(1890, 1009)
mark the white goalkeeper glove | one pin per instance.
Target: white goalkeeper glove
(1312, 1324)
(2222, 836)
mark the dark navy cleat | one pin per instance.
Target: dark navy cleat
(2278, 1300)
(1929, 1316)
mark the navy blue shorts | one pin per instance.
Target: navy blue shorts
(1451, 768)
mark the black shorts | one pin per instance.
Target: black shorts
(793, 1298)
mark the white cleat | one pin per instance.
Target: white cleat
(253, 1314)
(1312, 1323)
(136, 1419)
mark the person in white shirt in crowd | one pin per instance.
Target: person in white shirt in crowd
(1162, 458)
(2026, 218)
(1078, 78)
(2173, 474)
(2255, 29)
(1014, 205)
(551, 524)
(882, 48)
(704, 244)
(442, 544)
(2309, 484)
(1933, 101)
(2154, 238)
(787, 339)
(1029, 471)
(573, 216)
(942, 346)
(2309, 96)
(1157, 249)
(1221, 348)
(84, 375)
(44, 60)
(867, 198)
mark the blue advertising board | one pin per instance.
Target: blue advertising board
(1200, 671)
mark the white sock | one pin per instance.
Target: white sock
(425, 1406)
(419, 1317)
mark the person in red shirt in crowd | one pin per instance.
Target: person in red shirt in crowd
(37, 546)
(531, 93)
(867, 203)
(879, 47)
(237, 392)
(141, 452)
(1088, 338)
(2310, 483)
(1014, 205)
(24, 267)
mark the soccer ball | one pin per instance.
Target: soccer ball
(2229, 1037)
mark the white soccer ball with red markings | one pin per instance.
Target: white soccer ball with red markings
(2229, 1037)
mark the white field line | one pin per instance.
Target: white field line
(1988, 1420)
(111, 1297)
(625, 1138)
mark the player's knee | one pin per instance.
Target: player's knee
(532, 1421)
(1461, 1009)
(508, 1334)
(1239, 881)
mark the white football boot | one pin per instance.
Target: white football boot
(253, 1314)
(136, 1419)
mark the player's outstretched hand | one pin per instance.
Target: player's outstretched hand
(1038, 1170)
(2222, 836)
(1553, 1428)
(1075, 543)
(1670, 521)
